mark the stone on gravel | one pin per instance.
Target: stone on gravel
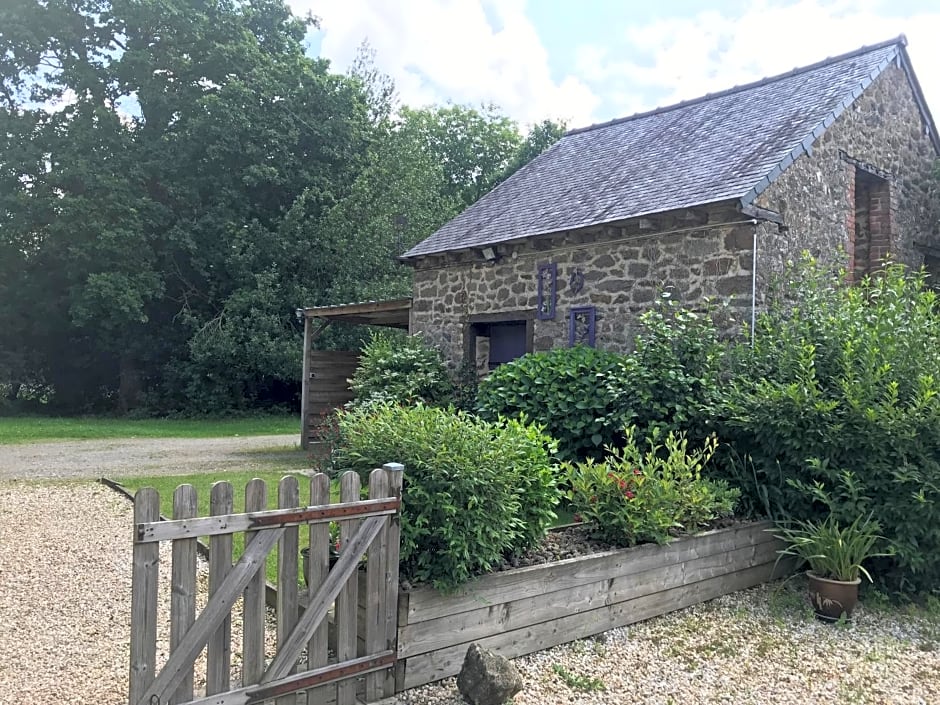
(487, 678)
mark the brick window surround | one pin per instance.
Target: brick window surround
(870, 222)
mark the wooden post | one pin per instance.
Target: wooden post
(256, 499)
(219, 649)
(396, 476)
(146, 566)
(288, 553)
(305, 386)
(183, 586)
(347, 602)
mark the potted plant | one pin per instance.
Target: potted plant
(835, 555)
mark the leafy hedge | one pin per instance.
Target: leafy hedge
(401, 369)
(473, 491)
(569, 391)
(585, 397)
(838, 409)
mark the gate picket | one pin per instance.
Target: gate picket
(219, 650)
(183, 586)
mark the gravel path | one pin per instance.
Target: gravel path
(141, 456)
(65, 596)
(65, 555)
(749, 648)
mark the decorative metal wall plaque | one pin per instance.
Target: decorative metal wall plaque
(581, 323)
(548, 285)
(576, 281)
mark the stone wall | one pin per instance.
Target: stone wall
(625, 266)
(882, 130)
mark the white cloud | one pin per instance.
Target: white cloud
(680, 58)
(465, 51)
(488, 51)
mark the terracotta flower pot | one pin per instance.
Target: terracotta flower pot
(832, 598)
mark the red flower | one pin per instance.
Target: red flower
(629, 494)
(637, 471)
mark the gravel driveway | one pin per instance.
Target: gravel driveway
(141, 456)
(65, 556)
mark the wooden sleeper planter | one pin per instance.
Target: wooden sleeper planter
(524, 610)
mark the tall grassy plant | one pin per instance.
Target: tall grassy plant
(832, 551)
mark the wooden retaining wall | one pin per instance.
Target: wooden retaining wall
(520, 611)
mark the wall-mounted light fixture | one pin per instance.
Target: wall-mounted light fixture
(299, 313)
(489, 254)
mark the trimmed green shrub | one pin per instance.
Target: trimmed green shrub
(401, 369)
(838, 411)
(473, 491)
(635, 496)
(570, 391)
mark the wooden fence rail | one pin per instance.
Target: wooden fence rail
(338, 670)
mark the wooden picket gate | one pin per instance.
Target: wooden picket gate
(334, 659)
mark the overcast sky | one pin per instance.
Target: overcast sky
(592, 60)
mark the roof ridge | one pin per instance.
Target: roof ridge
(901, 39)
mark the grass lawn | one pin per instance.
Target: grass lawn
(30, 429)
(165, 485)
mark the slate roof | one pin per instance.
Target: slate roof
(727, 145)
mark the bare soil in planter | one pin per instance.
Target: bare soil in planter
(577, 540)
(570, 542)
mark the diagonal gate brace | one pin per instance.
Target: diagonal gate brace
(319, 604)
(217, 609)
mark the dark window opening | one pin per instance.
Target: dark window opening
(491, 343)
(932, 269)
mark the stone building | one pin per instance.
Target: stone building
(707, 198)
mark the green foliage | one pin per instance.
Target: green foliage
(402, 369)
(473, 491)
(634, 496)
(672, 380)
(840, 399)
(572, 392)
(832, 551)
(177, 177)
(474, 147)
(576, 681)
(584, 397)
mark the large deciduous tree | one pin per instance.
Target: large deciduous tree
(150, 153)
(176, 176)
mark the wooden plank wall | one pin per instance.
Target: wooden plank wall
(520, 611)
(327, 386)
